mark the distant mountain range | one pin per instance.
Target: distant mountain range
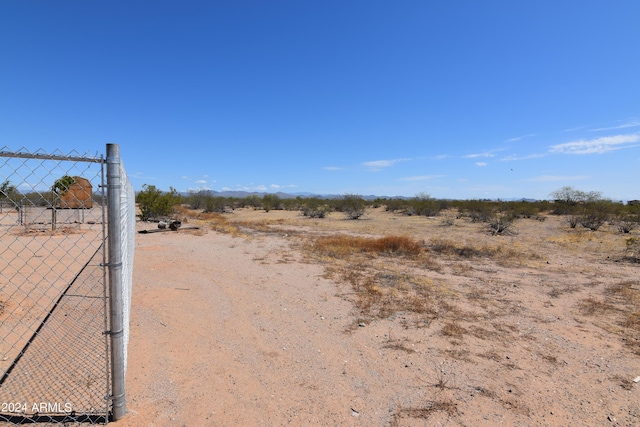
(244, 194)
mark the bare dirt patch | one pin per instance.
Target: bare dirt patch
(279, 319)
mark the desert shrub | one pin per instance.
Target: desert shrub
(156, 204)
(423, 205)
(563, 208)
(521, 209)
(626, 223)
(62, 184)
(10, 194)
(568, 200)
(593, 215)
(449, 247)
(342, 245)
(633, 248)
(501, 224)
(252, 201)
(270, 201)
(197, 199)
(215, 204)
(291, 204)
(447, 222)
(352, 205)
(395, 205)
(315, 208)
(397, 245)
(573, 220)
(7, 190)
(479, 210)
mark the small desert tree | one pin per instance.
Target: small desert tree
(252, 200)
(197, 199)
(352, 205)
(567, 198)
(594, 214)
(215, 204)
(423, 204)
(154, 203)
(7, 191)
(61, 185)
(315, 208)
(270, 201)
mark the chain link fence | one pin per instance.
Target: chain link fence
(57, 361)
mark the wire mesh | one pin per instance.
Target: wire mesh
(128, 228)
(54, 362)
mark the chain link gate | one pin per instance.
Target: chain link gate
(57, 326)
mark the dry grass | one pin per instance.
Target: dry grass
(617, 311)
(453, 330)
(381, 295)
(448, 406)
(399, 344)
(503, 253)
(215, 221)
(342, 245)
(594, 307)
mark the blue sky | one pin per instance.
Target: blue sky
(457, 99)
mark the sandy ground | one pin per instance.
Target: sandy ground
(251, 331)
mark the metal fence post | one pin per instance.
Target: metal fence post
(116, 308)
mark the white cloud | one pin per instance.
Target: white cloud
(553, 178)
(481, 164)
(203, 188)
(332, 168)
(514, 157)
(628, 124)
(249, 188)
(281, 187)
(201, 181)
(576, 128)
(518, 138)
(420, 178)
(476, 155)
(377, 165)
(597, 145)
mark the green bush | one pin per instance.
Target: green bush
(155, 204)
(252, 201)
(423, 205)
(479, 210)
(594, 214)
(352, 205)
(198, 199)
(395, 205)
(215, 204)
(315, 208)
(567, 200)
(61, 186)
(270, 201)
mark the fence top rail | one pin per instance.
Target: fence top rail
(44, 156)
